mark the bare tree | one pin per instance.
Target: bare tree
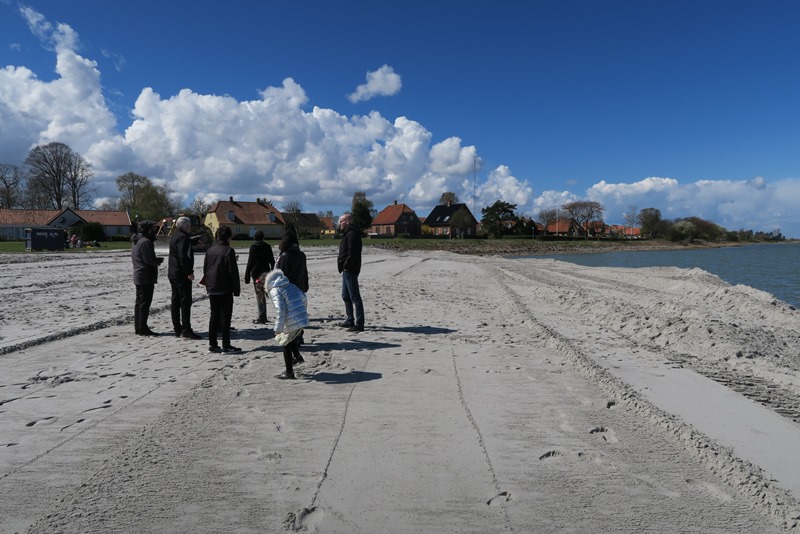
(198, 207)
(79, 179)
(11, 183)
(142, 197)
(294, 208)
(57, 176)
(547, 216)
(584, 212)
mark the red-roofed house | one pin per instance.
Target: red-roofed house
(246, 218)
(13, 222)
(396, 219)
(564, 226)
(329, 230)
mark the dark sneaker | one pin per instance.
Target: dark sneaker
(231, 348)
(260, 320)
(190, 334)
(298, 359)
(147, 332)
(345, 325)
(355, 328)
(178, 333)
(285, 376)
(214, 348)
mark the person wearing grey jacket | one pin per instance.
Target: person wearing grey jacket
(291, 316)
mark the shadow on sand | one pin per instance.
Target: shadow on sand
(351, 377)
(413, 329)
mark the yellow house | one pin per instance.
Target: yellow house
(246, 218)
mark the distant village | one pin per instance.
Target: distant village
(245, 218)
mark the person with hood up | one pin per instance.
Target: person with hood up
(145, 275)
(221, 278)
(259, 260)
(291, 316)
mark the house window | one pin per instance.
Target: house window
(271, 217)
(237, 230)
(230, 216)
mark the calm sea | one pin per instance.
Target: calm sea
(771, 268)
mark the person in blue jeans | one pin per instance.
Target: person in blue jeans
(349, 264)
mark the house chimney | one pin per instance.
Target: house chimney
(395, 203)
(231, 198)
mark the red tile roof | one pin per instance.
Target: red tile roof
(105, 217)
(15, 217)
(246, 212)
(391, 214)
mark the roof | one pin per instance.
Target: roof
(105, 217)
(246, 212)
(392, 213)
(305, 220)
(16, 217)
(327, 222)
(441, 215)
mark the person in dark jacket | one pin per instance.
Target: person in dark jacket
(145, 275)
(221, 278)
(180, 272)
(292, 261)
(349, 264)
(259, 262)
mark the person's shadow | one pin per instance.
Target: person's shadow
(350, 377)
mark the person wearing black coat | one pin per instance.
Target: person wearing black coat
(180, 271)
(145, 275)
(292, 261)
(349, 264)
(221, 278)
(260, 260)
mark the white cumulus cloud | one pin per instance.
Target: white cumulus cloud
(382, 82)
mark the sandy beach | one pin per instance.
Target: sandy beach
(486, 395)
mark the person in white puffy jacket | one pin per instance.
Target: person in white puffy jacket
(291, 316)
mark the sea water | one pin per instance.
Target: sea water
(774, 268)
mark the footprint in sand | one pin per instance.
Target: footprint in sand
(44, 421)
(605, 433)
(551, 455)
(500, 498)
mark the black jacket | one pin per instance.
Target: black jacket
(181, 256)
(145, 262)
(292, 262)
(259, 260)
(220, 271)
(350, 251)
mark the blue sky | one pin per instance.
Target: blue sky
(689, 107)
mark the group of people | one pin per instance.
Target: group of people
(285, 282)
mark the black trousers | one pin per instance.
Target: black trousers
(141, 312)
(220, 321)
(181, 306)
(289, 351)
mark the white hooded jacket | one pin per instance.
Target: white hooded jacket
(290, 302)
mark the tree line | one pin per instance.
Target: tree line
(53, 177)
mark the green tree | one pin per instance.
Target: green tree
(361, 209)
(448, 197)
(495, 215)
(650, 219)
(142, 198)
